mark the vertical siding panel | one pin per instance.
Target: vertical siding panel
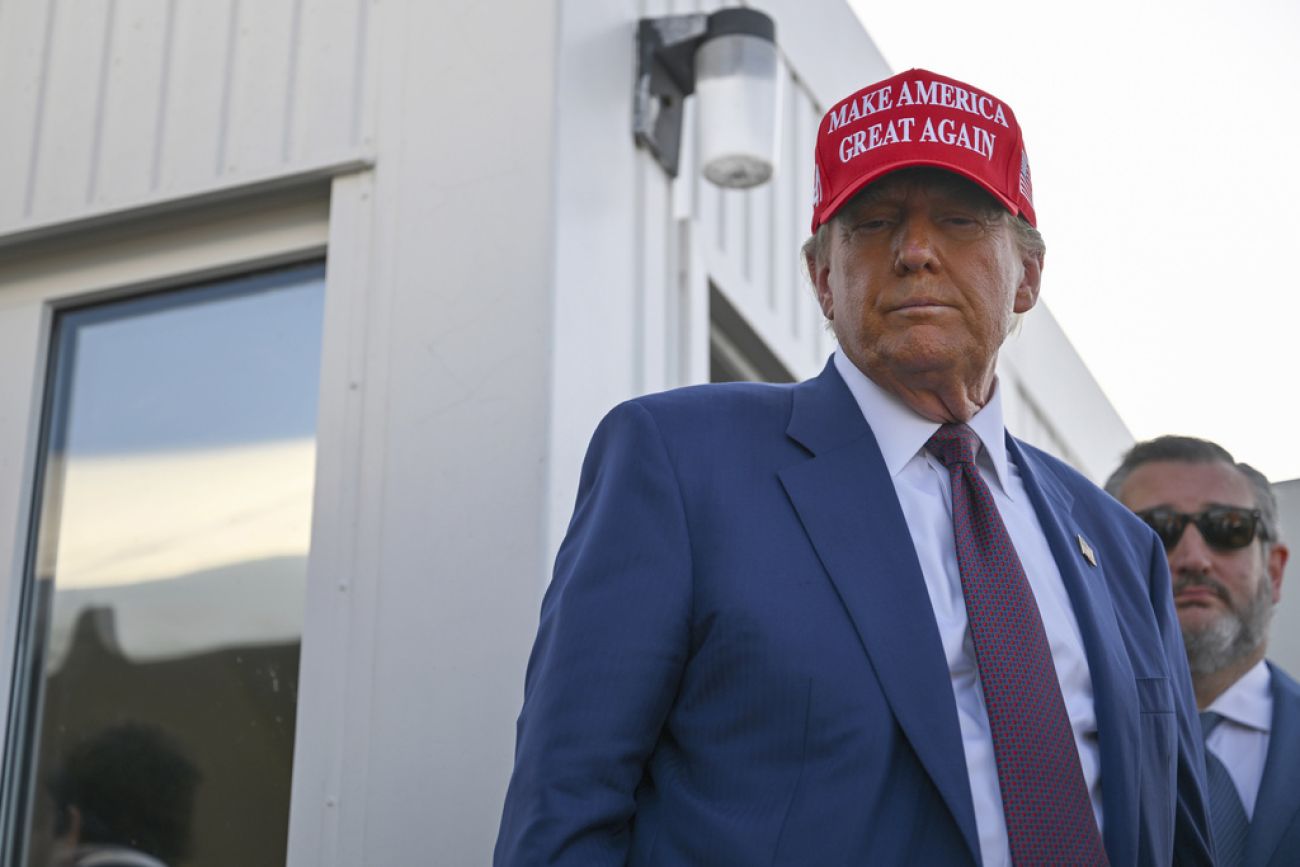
(229, 60)
(743, 260)
(130, 108)
(256, 116)
(762, 202)
(689, 312)
(364, 105)
(783, 222)
(683, 207)
(676, 290)
(327, 79)
(694, 349)
(717, 217)
(22, 43)
(685, 188)
(164, 88)
(661, 327)
(766, 236)
(656, 276)
(802, 136)
(101, 97)
(640, 256)
(191, 113)
(735, 228)
(808, 124)
(68, 120)
(288, 121)
(822, 339)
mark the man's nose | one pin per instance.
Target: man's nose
(914, 246)
(1191, 554)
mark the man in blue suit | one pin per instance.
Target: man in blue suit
(852, 621)
(1218, 521)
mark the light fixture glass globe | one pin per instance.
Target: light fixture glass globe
(735, 84)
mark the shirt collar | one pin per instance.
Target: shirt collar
(1248, 702)
(901, 433)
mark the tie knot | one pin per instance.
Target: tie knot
(954, 444)
(1209, 722)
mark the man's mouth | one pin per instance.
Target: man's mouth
(921, 304)
(1199, 593)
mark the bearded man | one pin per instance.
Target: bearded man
(1218, 521)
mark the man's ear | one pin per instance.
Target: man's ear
(820, 276)
(1030, 281)
(1276, 565)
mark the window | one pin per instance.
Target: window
(155, 701)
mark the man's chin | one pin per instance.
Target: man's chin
(1199, 613)
(1211, 639)
(924, 358)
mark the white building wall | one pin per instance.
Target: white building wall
(431, 544)
(1051, 399)
(503, 267)
(112, 104)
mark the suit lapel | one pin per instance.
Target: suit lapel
(846, 502)
(1278, 802)
(1114, 689)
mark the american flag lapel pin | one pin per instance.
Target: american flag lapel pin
(1086, 550)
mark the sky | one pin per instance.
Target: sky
(1163, 142)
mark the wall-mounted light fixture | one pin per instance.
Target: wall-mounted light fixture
(728, 60)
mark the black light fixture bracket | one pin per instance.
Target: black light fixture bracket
(665, 73)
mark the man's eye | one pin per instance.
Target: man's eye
(874, 224)
(963, 224)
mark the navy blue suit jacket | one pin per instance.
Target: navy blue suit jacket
(1274, 838)
(738, 664)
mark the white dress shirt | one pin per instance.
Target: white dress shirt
(1241, 740)
(925, 493)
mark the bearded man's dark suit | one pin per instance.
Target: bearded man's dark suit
(1274, 836)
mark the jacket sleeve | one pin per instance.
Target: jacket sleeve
(610, 649)
(1192, 842)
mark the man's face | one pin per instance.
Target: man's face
(922, 277)
(1224, 598)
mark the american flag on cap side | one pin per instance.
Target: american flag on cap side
(1026, 185)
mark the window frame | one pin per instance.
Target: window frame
(135, 256)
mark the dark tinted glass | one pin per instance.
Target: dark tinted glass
(1226, 527)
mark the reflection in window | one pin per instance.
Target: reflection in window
(163, 612)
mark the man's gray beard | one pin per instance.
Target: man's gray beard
(1232, 636)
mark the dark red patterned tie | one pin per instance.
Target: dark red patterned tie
(1044, 798)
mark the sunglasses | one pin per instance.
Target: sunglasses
(1224, 527)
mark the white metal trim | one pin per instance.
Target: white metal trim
(247, 187)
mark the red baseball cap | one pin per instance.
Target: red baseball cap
(918, 118)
